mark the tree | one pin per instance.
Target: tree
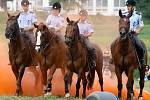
(3, 4)
(143, 6)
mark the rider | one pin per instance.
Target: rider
(136, 26)
(86, 31)
(55, 20)
(26, 21)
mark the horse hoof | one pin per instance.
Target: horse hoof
(128, 99)
(119, 98)
(76, 96)
(132, 94)
(67, 95)
(133, 98)
(17, 94)
(140, 98)
(83, 96)
(48, 94)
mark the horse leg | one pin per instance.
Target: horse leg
(66, 81)
(44, 78)
(16, 73)
(142, 74)
(100, 75)
(70, 78)
(129, 83)
(78, 86)
(119, 77)
(19, 87)
(35, 73)
(132, 91)
(49, 84)
(84, 82)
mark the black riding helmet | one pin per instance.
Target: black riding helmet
(57, 5)
(130, 2)
(24, 2)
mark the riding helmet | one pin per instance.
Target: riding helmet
(130, 2)
(56, 5)
(83, 12)
(24, 2)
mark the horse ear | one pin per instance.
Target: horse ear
(44, 26)
(35, 25)
(129, 15)
(68, 20)
(120, 13)
(77, 21)
(17, 16)
(8, 15)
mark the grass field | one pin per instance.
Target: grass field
(37, 98)
(105, 29)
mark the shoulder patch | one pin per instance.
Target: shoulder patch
(31, 12)
(137, 12)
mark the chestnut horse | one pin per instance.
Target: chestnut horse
(52, 49)
(77, 60)
(21, 53)
(125, 58)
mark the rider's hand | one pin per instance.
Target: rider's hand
(26, 29)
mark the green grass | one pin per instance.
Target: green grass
(36, 98)
(145, 36)
(2, 25)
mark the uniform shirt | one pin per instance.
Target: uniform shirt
(26, 19)
(85, 27)
(135, 21)
(55, 21)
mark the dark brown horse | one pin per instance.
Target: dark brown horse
(21, 53)
(125, 58)
(52, 49)
(77, 59)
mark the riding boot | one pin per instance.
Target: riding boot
(140, 50)
(91, 57)
(142, 62)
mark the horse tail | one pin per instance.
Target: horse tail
(90, 78)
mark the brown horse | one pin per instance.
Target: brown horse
(21, 53)
(52, 49)
(125, 58)
(77, 59)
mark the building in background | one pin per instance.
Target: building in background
(104, 7)
(2, 5)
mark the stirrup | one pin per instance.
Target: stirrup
(147, 67)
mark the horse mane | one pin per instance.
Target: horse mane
(25, 37)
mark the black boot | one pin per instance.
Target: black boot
(91, 57)
(142, 63)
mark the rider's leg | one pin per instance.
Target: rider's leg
(91, 53)
(32, 42)
(140, 50)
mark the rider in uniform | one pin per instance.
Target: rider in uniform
(136, 26)
(55, 20)
(26, 21)
(86, 31)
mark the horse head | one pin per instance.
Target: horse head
(12, 26)
(72, 32)
(124, 25)
(42, 35)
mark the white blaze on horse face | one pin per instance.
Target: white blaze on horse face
(38, 42)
